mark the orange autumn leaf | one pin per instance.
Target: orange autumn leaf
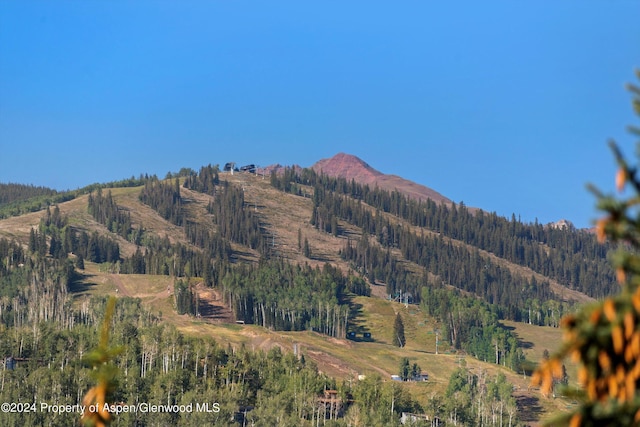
(621, 179)
(600, 229)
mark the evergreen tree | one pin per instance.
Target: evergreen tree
(33, 241)
(307, 248)
(405, 369)
(398, 332)
(604, 337)
(415, 370)
(80, 262)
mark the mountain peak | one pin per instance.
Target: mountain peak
(351, 167)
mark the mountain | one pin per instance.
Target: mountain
(299, 261)
(351, 167)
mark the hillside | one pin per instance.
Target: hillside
(303, 259)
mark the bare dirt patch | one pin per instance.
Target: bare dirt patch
(211, 306)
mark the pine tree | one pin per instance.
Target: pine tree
(398, 332)
(80, 262)
(33, 242)
(405, 369)
(307, 248)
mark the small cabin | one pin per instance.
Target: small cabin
(422, 376)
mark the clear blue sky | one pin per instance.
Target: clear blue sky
(505, 105)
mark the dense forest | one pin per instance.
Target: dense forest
(194, 380)
(573, 258)
(11, 192)
(282, 296)
(205, 181)
(18, 199)
(105, 210)
(55, 237)
(235, 220)
(164, 197)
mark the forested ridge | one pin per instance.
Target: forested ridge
(449, 249)
(573, 258)
(18, 199)
(226, 243)
(12, 192)
(210, 257)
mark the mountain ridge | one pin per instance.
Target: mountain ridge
(310, 233)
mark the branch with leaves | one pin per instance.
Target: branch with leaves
(604, 338)
(99, 398)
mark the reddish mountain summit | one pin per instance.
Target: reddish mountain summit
(351, 167)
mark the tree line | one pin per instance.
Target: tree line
(235, 221)
(164, 198)
(105, 210)
(19, 199)
(12, 192)
(456, 265)
(572, 257)
(162, 257)
(205, 181)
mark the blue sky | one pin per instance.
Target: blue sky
(505, 105)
